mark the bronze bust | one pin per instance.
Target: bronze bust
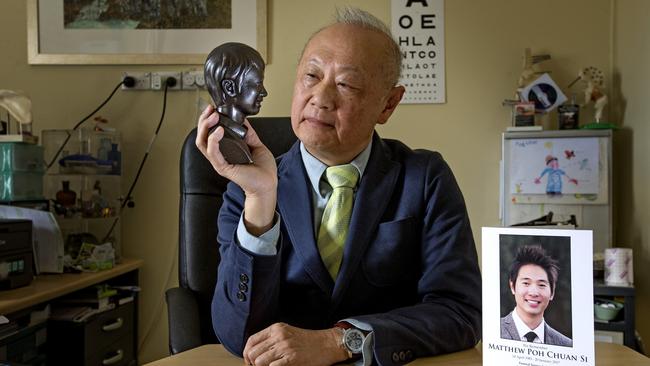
(234, 77)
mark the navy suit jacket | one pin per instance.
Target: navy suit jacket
(409, 268)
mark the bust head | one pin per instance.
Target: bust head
(234, 76)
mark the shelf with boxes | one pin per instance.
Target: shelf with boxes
(83, 181)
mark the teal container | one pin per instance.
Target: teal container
(19, 186)
(21, 157)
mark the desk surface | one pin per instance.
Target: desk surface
(46, 287)
(213, 354)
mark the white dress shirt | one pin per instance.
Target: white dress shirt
(523, 329)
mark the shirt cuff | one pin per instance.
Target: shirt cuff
(368, 342)
(265, 244)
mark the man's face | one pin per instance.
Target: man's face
(341, 92)
(532, 290)
(249, 100)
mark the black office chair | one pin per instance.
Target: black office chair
(188, 306)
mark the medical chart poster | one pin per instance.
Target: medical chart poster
(543, 274)
(418, 26)
(555, 166)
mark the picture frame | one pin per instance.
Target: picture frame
(537, 296)
(162, 46)
(524, 114)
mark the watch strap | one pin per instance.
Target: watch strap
(343, 325)
(342, 343)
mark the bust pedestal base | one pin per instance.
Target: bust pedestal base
(234, 149)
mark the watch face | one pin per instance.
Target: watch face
(354, 340)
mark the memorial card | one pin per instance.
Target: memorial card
(537, 297)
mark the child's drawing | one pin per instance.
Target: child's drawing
(554, 176)
(554, 166)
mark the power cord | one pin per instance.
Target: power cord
(128, 81)
(128, 200)
(169, 83)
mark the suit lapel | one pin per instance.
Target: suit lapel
(511, 328)
(296, 208)
(375, 187)
(548, 336)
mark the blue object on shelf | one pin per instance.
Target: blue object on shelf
(81, 163)
(115, 157)
(76, 158)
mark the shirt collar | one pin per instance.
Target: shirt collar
(315, 168)
(522, 328)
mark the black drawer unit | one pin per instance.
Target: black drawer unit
(26, 346)
(119, 353)
(107, 338)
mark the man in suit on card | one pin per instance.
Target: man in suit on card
(532, 280)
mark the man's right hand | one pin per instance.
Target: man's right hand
(284, 345)
(259, 180)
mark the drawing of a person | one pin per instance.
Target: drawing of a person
(554, 179)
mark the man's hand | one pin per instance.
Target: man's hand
(259, 180)
(282, 344)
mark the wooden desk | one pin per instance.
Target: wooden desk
(46, 287)
(607, 354)
(68, 342)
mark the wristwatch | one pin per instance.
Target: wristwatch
(352, 340)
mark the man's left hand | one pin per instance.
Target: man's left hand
(283, 344)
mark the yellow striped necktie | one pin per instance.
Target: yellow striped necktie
(336, 216)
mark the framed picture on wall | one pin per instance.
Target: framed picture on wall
(140, 32)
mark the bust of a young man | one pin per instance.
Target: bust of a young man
(234, 76)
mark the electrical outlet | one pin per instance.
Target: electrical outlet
(142, 80)
(158, 80)
(193, 80)
(199, 80)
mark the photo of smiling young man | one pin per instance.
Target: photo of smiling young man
(532, 281)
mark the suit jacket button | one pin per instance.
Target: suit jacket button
(243, 278)
(409, 355)
(241, 296)
(243, 287)
(395, 357)
(402, 356)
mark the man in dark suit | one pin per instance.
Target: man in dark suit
(404, 281)
(532, 279)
